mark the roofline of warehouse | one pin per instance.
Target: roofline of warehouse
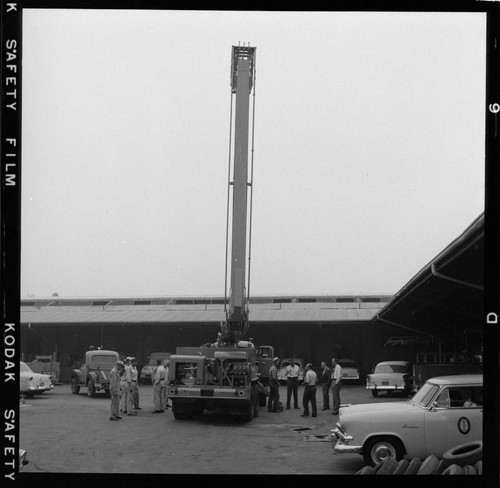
(468, 238)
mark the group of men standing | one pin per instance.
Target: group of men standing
(330, 378)
(124, 388)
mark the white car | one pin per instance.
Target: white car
(350, 370)
(31, 383)
(447, 411)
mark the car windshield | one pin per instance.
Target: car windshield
(154, 357)
(25, 367)
(103, 359)
(425, 394)
(391, 368)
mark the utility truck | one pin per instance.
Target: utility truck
(230, 373)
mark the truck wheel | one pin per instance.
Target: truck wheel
(91, 389)
(75, 387)
(262, 400)
(463, 454)
(375, 393)
(256, 405)
(248, 411)
(378, 449)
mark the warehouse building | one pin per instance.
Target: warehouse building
(439, 312)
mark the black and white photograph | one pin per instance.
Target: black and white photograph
(250, 242)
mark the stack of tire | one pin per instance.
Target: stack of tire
(462, 459)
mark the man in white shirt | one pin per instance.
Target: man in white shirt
(310, 381)
(130, 389)
(292, 383)
(336, 379)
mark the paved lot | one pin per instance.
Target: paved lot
(66, 433)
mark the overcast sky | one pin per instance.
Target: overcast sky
(369, 149)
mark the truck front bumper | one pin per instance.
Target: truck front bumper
(340, 442)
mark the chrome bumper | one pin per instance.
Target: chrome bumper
(340, 442)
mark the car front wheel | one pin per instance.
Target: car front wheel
(379, 449)
(75, 388)
(91, 389)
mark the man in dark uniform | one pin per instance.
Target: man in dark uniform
(274, 387)
(326, 380)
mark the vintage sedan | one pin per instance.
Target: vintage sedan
(447, 411)
(390, 376)
(31, 383)
(350, 370)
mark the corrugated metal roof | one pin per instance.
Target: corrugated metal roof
(271, 312)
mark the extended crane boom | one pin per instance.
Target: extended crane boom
(231, 374)
(242, 82)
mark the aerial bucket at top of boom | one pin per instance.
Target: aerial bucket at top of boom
(242, 81)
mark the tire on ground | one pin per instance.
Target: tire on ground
(441, 467)
(429, 465)
(413, 466)
(453, 469)
(366, 470)
(389, 465)
(401, 467)
(463, 454)
(468, 469)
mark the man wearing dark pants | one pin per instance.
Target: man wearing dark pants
(274, 387)
(292, 384)
(310, 381)
(336, 379)
(326, 380)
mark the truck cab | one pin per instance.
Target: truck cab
(94, 372)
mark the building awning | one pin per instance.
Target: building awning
(447, 293)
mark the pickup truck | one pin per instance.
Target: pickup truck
(94, 372)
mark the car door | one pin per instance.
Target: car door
(454, 419)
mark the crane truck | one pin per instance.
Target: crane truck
(231, 373)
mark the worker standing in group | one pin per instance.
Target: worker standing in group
(158, 387)
(166, 365)
(292, 383)
(326, 380)
(123, 390)
(135, 384)
(274, 387)
(114, 390)
(130, 388)
(336, 379)
(310, 380)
